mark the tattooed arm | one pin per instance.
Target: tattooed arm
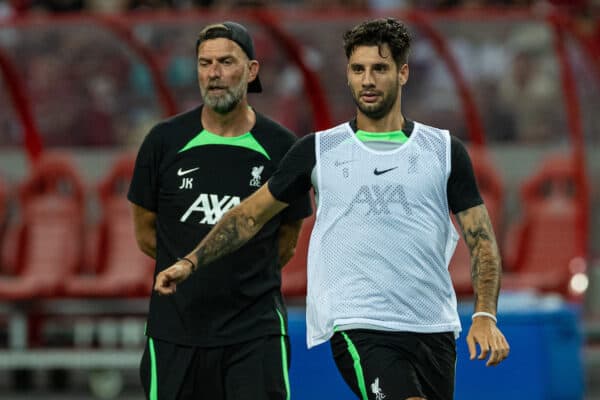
(234, 229)
(485, 258)
(485, 274)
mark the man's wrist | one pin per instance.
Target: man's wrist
(484, 314)
(193, 266)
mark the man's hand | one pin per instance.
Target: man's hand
(167, 280)
(491, 341)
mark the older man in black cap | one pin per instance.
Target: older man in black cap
(223, 335)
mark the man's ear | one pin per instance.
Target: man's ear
(253, 68)
(403, 74)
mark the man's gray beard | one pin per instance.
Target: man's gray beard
(226, 102)
(223, 103)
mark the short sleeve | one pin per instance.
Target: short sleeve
(462, 189)
(292, 180)
(297, 210)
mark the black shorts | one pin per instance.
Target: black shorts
(253, 370)
(381, 365)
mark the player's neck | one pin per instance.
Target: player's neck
(392, 121)
(234, 123)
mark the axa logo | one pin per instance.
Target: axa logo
(378, 199)
(376, 390)
(211, 207)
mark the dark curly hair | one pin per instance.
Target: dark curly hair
(378, 32)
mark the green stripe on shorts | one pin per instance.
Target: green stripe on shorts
(357, 367)
(153, 375)
(284, 360)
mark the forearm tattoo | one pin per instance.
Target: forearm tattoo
(231, 233)
(485, 258)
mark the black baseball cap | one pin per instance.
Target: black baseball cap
(239, 34)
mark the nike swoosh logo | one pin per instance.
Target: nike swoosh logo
(182, 172)
(338, 163)
(376, 172)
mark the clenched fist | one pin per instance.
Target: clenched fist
(167, 280)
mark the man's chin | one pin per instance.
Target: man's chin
(219, 104)
(373, 112)
(224, 107)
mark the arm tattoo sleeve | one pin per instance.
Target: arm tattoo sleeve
(232, 232)
(485, 258)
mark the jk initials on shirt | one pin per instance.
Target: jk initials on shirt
(186, 183)
(212, 206)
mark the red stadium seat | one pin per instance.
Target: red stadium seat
(122, 269)
(47, 245)
(9, 250)
(3, 201)
(3, 222)
(492, 190)
(544, 246)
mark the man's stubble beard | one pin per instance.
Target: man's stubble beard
(378, 110)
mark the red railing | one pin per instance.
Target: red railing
(574, 120)
(123, 32)
(312, 85)
(22, 106)
(474, 123)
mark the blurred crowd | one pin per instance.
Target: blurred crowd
(88, 88)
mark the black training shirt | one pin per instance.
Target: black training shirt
(190, 177)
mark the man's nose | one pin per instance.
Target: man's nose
(214, 71)
(367, 79)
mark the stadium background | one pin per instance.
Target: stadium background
(83, 81)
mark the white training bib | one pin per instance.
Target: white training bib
(383, 237)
